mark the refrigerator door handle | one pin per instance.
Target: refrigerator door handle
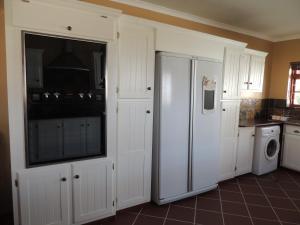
(192, 103)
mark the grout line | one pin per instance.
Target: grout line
(238, 182)
(269, 203)
(297, 209)
(167, 214)
(135, 219)
(294, 180)
(220, 199)
(196, 201)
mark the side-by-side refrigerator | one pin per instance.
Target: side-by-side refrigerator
(186, 126)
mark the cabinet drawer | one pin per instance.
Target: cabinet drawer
(290, 129)
(49, 17)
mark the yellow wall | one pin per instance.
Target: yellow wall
(5, 183)
(283, 53)
(253, 43)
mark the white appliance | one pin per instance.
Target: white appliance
(186, 126)
(265, 157)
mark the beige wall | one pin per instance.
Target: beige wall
(253, 43)
(5, 183)
(283, 53)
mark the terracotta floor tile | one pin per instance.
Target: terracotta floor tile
(181, 213)
(188, 202)
(208, 218)
(174, 222)
(229, 186)
(274, 192)
(208, 204)
(262, 212)
(283, 203)
(155, 210)
(231, 196)
(256, 199)
(235, 208)
(249, 189)
(295, 194)
(211, 194)
(288, 216)
(264, 222)
(147, 220)
(236, 220)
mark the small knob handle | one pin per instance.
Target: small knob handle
(249, 82)
(69, 28)
(63, 179)
(224, 91)
(224, 110)
(149, 88)
(148, 111)
(77, 176)
(246, 82)
(296, 131)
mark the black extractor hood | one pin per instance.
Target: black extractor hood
(67, 60)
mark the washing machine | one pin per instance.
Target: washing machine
(266, 149)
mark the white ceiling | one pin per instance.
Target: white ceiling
(269, 19)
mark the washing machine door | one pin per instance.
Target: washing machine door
(272, 148)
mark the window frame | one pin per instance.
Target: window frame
(294, 76)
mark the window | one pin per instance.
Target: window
(294, 85)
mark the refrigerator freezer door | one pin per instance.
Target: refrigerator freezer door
(206, 127)
(174, 74)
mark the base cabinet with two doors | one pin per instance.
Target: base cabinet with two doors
(66, 194)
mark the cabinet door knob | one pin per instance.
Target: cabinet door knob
(63, 179)
(250, 83)
(77, 176)
(149, 88)
(69, 28)
(224, 110)
(148, 111)
(246, 82)
(224, 91)
(296, 131)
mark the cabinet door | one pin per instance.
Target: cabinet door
(49, 139)
(92, 190)
(44, 196)
(291, 153)
(34, 68)
(257, 68)
(244, 71)
(74, 137)
(245, 150)
(134, 153)
(229, 135)
(231, 88)
(94, 137)
(136, 72)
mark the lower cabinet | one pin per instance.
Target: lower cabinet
(134, 153)
(229, 137)
(66, 194)
(291, 150)
(244, 156)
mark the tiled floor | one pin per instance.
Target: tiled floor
(273, 199)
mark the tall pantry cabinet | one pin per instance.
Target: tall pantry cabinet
(135, 116)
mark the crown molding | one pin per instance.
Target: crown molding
(198, 19)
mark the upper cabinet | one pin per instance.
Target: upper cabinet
(136, 68)
(231, 88)
(252, 67)
(60, 18)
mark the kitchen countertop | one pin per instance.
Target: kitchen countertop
(258, 123)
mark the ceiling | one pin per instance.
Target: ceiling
(269, 19)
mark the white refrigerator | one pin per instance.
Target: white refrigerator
(186, 141)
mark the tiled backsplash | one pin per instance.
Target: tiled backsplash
(265, 108)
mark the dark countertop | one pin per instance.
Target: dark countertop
(258, 123)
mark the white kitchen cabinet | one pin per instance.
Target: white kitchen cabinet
(92, 189)
(60, 18)
(291, 150)
(136, 61)
(44, 196)
(256, 76)
(244, 156)
(229, 138)
(252, 66)
(231, 88)
(134, 153)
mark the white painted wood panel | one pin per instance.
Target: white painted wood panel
(244, 71)
(136, 66)
(256, 75)
(92, 189)
(229, 135)
(44, 196)
(57, 18)
(245, 150)
(231, 89)
(134, 153)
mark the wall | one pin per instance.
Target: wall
(253, 43)
(283, 53)
(5, 183)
